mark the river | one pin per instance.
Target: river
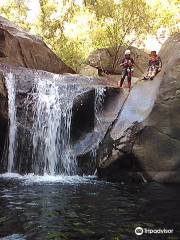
(83, 208)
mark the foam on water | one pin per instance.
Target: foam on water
(14, 237)
(63, 179)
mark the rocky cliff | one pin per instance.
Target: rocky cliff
(145, 138)
(18, 47)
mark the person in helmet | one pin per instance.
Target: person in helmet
(127, 71)
(154, 66)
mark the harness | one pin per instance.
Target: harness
(127, 63)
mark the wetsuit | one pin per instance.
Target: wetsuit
(128, 63)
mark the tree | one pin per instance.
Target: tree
(121, 22)
(52, 26)
(74, 30)
(164, 14)
(16, 11)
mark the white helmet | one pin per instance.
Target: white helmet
(127, 52)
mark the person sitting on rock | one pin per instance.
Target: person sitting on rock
(154, 67)
(127, 71)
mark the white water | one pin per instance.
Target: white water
(52, 113)
(98, 106)
(52, 104)
(98, 110)
(11, 89)
(63, 179)
(14, 237)
(51, 128)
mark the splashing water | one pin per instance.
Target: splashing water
(51, 128)
(98, 109)
(10, 86)
(46, 126)
(98, 106)
(52, 105)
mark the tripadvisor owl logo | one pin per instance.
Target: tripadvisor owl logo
(139, 231)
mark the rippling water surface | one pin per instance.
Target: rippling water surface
(82, 208)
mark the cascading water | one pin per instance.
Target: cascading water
(98, 109)
(10, 86)
(98, 106)
(51, 127)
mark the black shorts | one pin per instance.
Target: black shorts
(125, 73)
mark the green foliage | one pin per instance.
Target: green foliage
(164, 14)
(16, 11)
(74, 30)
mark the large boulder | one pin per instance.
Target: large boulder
(157, 146)
(18, 47)
(103, 59)
(145, 138)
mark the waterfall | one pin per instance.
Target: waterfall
(98, 106)
(98, 110)
(51, 107)
(40, 124)
(51, 127)
(10, 86)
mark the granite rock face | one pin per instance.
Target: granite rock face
(18, 47)
(145, 138)
(157, 146)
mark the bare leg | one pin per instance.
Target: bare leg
(148, 74)
(153, 74)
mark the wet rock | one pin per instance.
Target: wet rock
(147, 129)
(3, 114)
(83, 120)
(158, 144)
(3, 98)
(83, 116)
(18, 47)
(87, 146)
